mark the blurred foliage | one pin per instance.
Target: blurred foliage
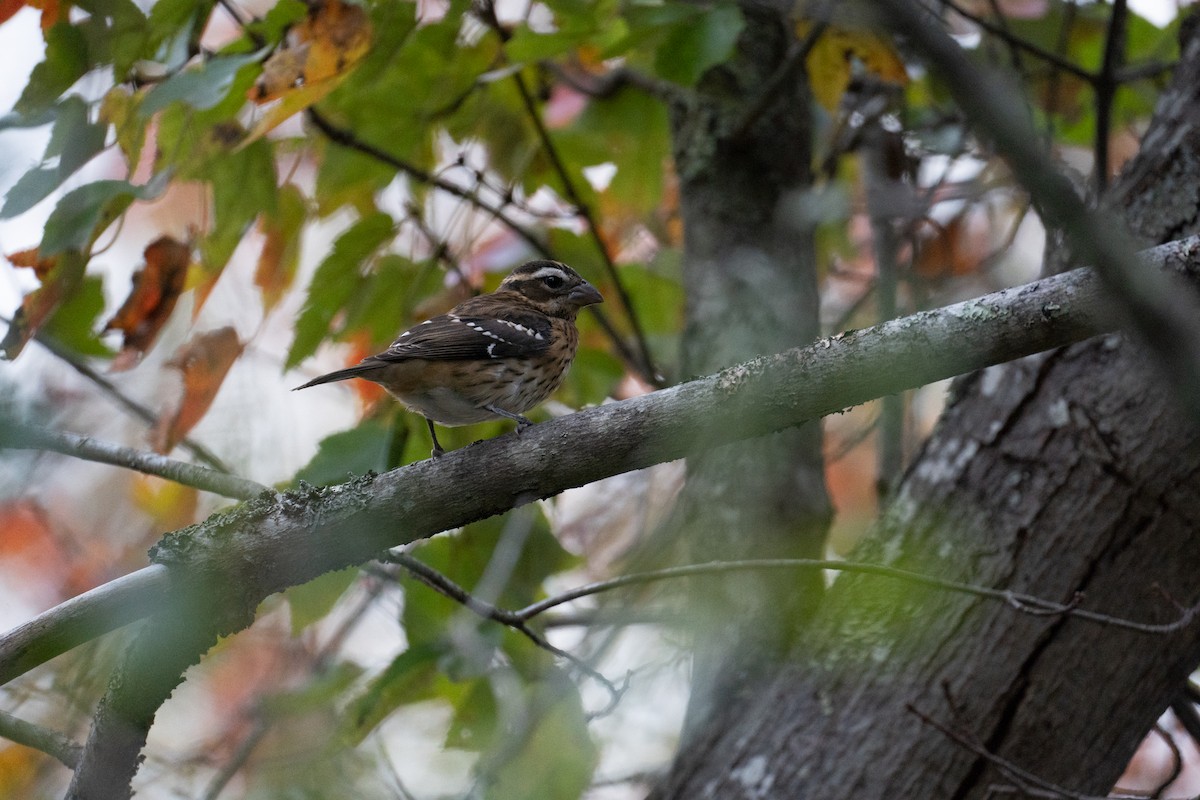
(424, 149)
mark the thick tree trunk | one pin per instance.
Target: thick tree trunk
(1066, 474)
(751, 285)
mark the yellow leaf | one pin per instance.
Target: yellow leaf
(293, 102)
(323, 50)
(831, 61)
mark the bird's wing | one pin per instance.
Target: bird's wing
(452, 337)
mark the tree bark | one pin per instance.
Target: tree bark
(751, 281)
(1069, 474)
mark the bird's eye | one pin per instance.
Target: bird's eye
(553, 281)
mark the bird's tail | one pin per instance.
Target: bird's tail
(357, 371)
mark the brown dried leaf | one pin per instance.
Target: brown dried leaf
(156, 288)
(204, 361)
(60, 278)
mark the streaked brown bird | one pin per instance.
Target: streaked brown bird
(492, 356)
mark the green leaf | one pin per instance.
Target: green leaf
(408, 679)
(348, 177)
(631, 130)
(73, 141)
(385, 300)
(473, 726)
(74, 322)
(692, 48)
(556, 758)
(201, 87)
(74, 222)
(281, 16)
(66, 62)
(335, 280)
(310, 602)
(345, 454)
(244, 185)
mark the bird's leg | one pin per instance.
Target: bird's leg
(522, 422)
(437, 448)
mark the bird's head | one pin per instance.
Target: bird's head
(552, 287)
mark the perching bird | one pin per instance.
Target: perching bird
(492, 356)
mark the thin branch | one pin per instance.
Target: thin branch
(133, 407)
(787, 73)
(608, 83)
(310, 531)
(50, 742)
(1025, 780)
(1148, 303)
(1106, 86)
(1018, 601)
(31, 437)
(1185, 711)
(347, 139)
(1002, 33)
(1176, 762)
(445, 586)
(645, 361)
(82, 619)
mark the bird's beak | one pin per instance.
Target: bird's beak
(584, 295)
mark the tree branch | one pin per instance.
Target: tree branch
(268, 544)
(50, 742)
(1148, 303)
(201, 452)
(32, 437)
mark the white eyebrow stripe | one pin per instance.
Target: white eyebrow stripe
(545, 272)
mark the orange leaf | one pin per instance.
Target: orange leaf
(831, 61)
(951, 250)
(369, 392)
(281, 245)
(60, 278)
(29, 258)
(204, 362)
(156, 288)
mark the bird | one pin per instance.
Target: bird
(493, 356)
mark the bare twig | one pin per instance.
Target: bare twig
(136, 409)
(50, 742)
(443, 585)
(347, 139)
(788, 71)
(32, 437)
(645, 361)
(1106, 85)
(1148, 303)
(1001, 32)
(1026, 781)
(1019, 601)
(608, 83)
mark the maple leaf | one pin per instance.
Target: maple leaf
(156, 288)
(204, 361)
(323, 50)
